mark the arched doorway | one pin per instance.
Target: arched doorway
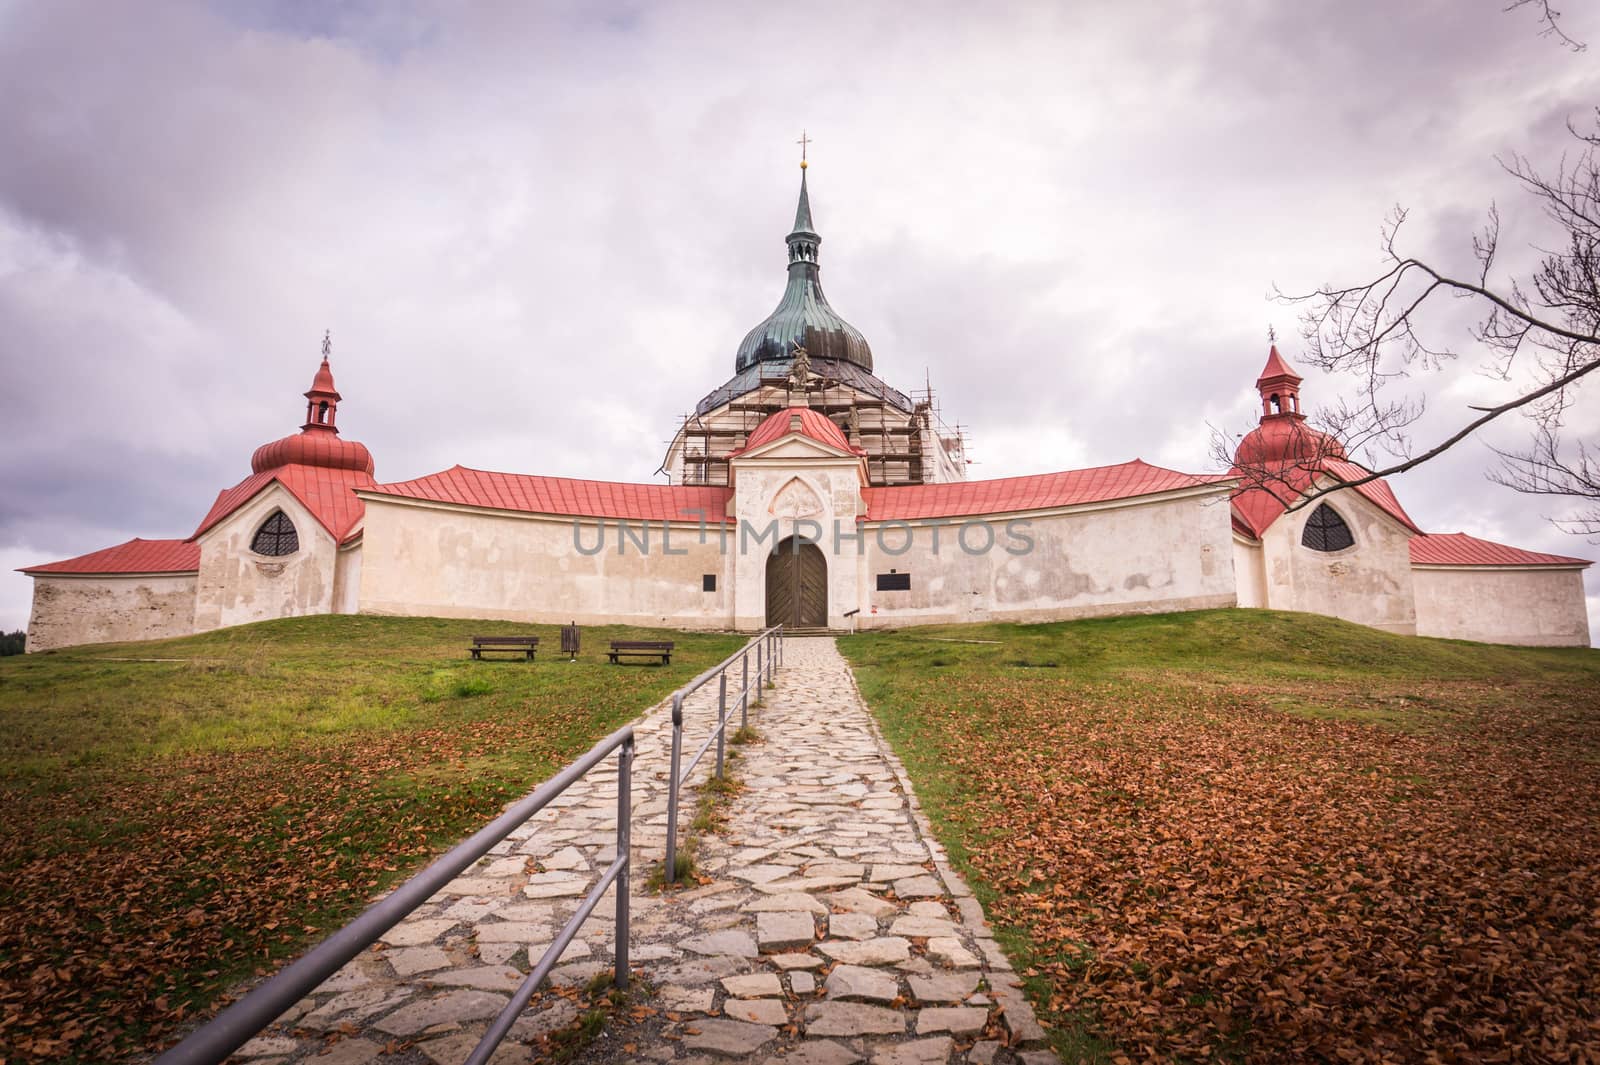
(797, 585)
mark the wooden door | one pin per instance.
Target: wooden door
(797, 585)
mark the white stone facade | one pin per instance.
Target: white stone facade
(1163, 551)
(1156, 553)
(1369, 582)
(1537, 606)
(442, 561)
(236, 585)
(1173, 549)
(70, 610)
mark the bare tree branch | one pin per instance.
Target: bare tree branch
(1541, 334)
(1550, 20)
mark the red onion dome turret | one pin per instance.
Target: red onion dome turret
(317, 443)
(1283, 437)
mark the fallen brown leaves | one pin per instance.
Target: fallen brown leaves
(1203, 876)
(130, 898)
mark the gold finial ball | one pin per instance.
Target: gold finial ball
(802, 164)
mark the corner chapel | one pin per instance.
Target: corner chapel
(804, 439)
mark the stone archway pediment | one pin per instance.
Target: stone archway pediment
(796, 499)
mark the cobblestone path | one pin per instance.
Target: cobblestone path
(831, 931)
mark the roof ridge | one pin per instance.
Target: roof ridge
(538, 476)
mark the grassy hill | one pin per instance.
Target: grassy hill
(181, 812)
(1264, 836)
(1236, 834)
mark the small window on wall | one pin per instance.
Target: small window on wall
(1326, 531)
(894, 582)
(276, 536)
(708, 583)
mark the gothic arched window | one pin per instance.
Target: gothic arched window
(276, 536)
(1326, 531)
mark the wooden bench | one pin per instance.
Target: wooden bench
(661, 649)
(525, 645)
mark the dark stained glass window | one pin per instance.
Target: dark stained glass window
(276, 536)
(1326, 531)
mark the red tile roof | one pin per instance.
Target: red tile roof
(327, 493)
(564, 495)
(1275, 368)
(1459, 549)
(813, 424)
(1038, 492)
(135, 556)
(1259, 507)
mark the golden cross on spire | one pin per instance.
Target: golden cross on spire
(1272, 335)
(802, 142)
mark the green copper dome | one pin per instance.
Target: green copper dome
(803, 316)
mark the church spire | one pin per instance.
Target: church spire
(803, 241)
(1279, 386)
(322, 402)
(803, 317)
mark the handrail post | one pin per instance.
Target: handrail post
(672, 789)
(625, 855)
(744, 715)
(744, 687)
(722, 717)
(761, 671)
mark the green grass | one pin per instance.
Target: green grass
(182, 812)
(294, 681)
(1117, 790)
(1253, 645)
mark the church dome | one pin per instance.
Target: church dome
(317, 443)
(312, 448)
(1285, 438)
(803, 317)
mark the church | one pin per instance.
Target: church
(806, 490)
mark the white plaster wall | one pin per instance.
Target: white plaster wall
(347, 579)
(237, 586)
(1143, 557)
(448, 562)
(834, 486)
(1369, 583)
(1536, 607)
(1249, 573)
(68, 611)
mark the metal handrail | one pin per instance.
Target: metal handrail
(768, 646)
(234, 1026)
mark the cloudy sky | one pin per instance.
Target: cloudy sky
(538, 231)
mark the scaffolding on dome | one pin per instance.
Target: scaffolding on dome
(905, 439)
